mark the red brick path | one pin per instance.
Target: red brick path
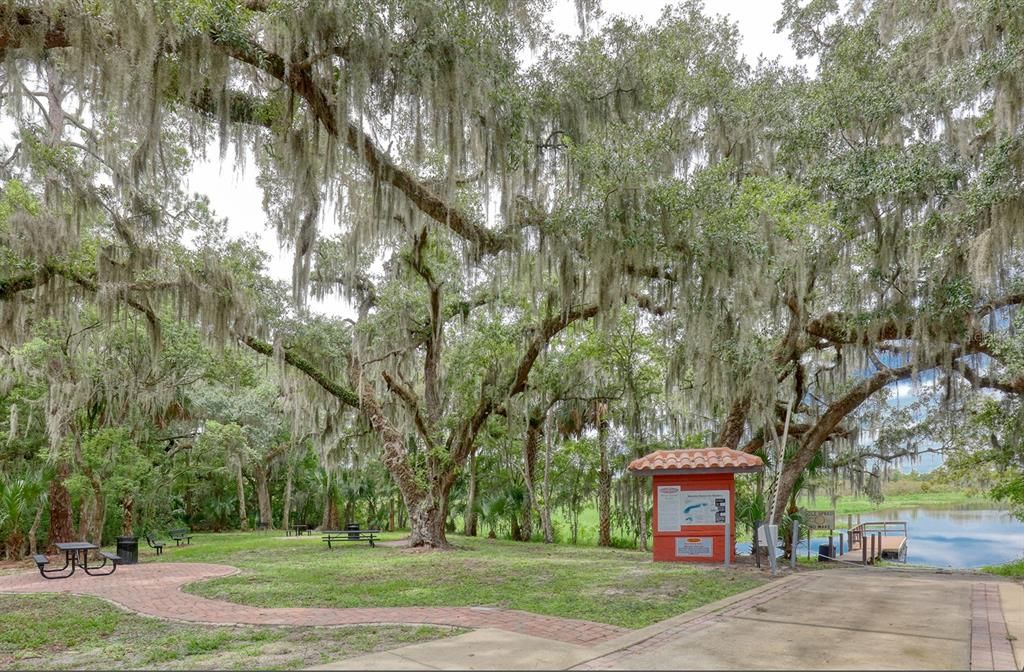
(154, 589)
(990, 642)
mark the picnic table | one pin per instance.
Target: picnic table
(333, 536)
(298, 529)
(76, 553)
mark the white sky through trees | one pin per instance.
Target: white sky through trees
(234, 194)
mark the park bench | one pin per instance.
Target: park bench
(332, 536)
(180, 535)
(153, 543)
(113, 558)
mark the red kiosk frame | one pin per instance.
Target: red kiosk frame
(695, 502)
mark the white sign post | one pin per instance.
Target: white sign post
(768, 536)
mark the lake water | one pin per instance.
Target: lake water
(950, 536)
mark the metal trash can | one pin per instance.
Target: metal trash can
(128, 550)
(352, 526)
(826, 552)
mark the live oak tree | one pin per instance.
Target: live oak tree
(803, 241)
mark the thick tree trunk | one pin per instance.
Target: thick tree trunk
(84, 515)
(534, 431)
(641, 496)
(813, 440)
(545, 512)
(286, 519)
(127, 516)
(243, 516)
(61, 526)
(263, 495)
(428, 514)
(604, 487)
(735, 423)
(330, 519)
(469, 519)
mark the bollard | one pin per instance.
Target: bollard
(872, 549)
(757, 554)
(840, 544)
(796, 541)
(863, 552)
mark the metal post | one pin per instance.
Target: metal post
(796, 541)
(757, 554)
(863, 551)
(873, 548)
(840, 544)
(808, 544)
(728, 546)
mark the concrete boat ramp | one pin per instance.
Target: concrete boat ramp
(845, 619)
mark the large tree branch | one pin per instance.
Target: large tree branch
(20, 26)
(9, 287)
(977, 380)
(292, 358)
(406, 394)
(299, 78)
(461, 442)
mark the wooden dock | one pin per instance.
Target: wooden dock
(869, 542)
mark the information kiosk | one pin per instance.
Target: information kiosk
(694, 501)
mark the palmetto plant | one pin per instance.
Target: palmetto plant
(18, 498)
(492, 511)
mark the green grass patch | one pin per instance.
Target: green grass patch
(619, 587)
(848, 504)
(56, 631)
(1014, 568)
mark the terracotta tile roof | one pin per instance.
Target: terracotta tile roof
(696, 460)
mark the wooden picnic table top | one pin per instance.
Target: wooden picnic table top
(75, 546)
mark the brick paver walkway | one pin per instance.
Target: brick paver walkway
(990, 642)
(154, 589)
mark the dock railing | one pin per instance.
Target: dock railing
(867, 538)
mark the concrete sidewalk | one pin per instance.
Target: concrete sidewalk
(842, 619)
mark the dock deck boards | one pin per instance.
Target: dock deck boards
(891, 547)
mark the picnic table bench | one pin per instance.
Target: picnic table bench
(180, 535)
(76, 553)
(153, 543)
(331, 536)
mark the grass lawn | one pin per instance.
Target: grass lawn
(1014, 568)
(68, 632)
(619, 587)
(846, 505)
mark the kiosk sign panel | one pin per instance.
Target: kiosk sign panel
(705, 507)
(670, 504)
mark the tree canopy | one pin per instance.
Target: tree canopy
(584, 246)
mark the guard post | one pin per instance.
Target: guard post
(695, 502)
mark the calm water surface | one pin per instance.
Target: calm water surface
(950, 536)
